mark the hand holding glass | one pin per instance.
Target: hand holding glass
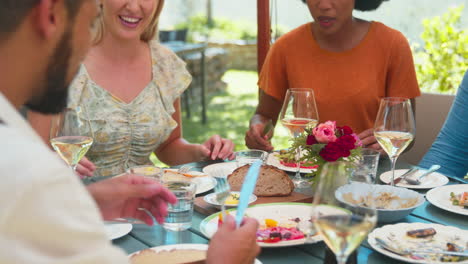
(71, 135)
(394, 127)
(299, 111)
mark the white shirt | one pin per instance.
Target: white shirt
(46, 214)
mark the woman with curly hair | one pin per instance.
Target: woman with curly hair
(350, 64)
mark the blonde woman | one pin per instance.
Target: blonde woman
(130, 84)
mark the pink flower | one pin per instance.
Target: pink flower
(325, 132)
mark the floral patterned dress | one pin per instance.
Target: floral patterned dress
(125, 134)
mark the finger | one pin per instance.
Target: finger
(254, 142)
(229, 223)
(232, 156)
(148, 190)
(366, 142)
(216, 146)
(83, 171)
(366, 133)
(159, 210)
(88, 164)
(226, 150)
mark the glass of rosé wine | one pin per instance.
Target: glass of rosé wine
(299, 111)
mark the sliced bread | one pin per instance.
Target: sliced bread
(271, 181)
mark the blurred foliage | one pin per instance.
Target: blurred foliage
(443, 59)
(222, 29)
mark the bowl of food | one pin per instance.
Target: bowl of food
(392, 203)
(231, 201)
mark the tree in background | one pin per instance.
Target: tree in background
(443, 59)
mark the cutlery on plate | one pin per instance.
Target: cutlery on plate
(222, 192)
(417, 181)
(407, 252)
(404, 175)
(250, 180)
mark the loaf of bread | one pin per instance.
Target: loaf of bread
(175, 256)
(271, 181)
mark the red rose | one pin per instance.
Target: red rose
(347, 142)
(311, 140)
(346, 130)
(332, 151)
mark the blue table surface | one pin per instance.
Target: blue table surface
(151, 236)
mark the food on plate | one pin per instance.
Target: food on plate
(288, 159)
(421, 233)
(271, 181)
(173, 175)
(385, 200)
(273, 231)
(220, 218)
(459, 199)
(173, 256)
(233, 199)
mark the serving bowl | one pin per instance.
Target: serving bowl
(392, 203)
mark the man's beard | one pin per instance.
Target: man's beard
(54, 98)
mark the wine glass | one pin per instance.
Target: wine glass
(342, 225)
(71, 135)
(299, 111)
(394, 127)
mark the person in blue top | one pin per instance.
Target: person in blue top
(450, 147)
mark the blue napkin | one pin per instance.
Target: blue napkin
(248, 187)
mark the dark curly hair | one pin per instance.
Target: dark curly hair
(364, 5)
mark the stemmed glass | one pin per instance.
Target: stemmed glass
(394, 127)
(342, 225)
(299, 111)
(71, 135)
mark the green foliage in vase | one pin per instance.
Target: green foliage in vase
(443, 59)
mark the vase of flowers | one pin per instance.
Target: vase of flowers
(327, 143)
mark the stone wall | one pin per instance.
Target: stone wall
(242, 55)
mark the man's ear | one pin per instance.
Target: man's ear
(49, 17)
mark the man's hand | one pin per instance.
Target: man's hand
(123, 196)
(368, 140)
(234, 246)
(254, 137)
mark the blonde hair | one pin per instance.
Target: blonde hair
(148, 34)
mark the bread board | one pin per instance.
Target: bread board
(207, 209)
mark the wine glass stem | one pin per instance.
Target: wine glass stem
(341, 259)
(297, 177)
(393, 160)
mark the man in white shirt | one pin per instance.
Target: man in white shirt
(46, 214)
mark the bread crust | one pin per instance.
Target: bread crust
(267, 179)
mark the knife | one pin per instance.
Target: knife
(247, 189)
(404, 175)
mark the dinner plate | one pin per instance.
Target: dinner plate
(116, 230)
(182, 246)
(273, 160)
(280, 212)
(204, 183)
(222, 169)
(440, 197)
(211, 199)
(432, 180)
(396, 236)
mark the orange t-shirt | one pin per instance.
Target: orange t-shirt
(347, 85)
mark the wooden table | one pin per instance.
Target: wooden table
(144, 236)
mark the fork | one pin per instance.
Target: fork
(222, 192)
(185, 168)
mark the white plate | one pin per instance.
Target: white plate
(398, 233)
(116, 230)
(222, 169)
(432, 180)
(183, 246)
(440, 197)
(204, 183)
(273, 160)
(211, 199)
(276, 211)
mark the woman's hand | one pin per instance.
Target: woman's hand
(123, 196)
(85, 168)
(368, 140)
(217, 147)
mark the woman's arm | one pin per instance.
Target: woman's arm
(40, 123)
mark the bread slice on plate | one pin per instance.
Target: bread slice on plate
(271, 181)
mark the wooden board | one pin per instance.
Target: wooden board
(207, 209)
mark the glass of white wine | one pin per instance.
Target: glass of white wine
(71, 135)
(394, 127)
(299, 111)
(342, 225)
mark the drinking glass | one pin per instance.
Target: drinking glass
(250, 156)
(367, 165)
(71, 135)
(342, 225)
(179, 215)
(299, 111)
(394, 127)
(147, 171)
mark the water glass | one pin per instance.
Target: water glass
(250, 156)
(367, 165)
(147, 171)
(179, 216)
